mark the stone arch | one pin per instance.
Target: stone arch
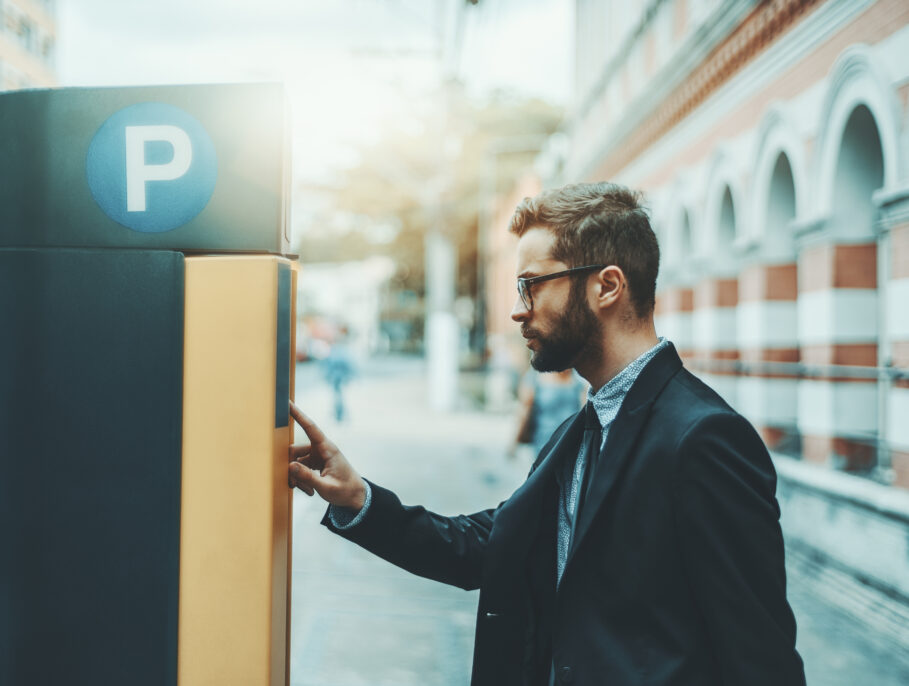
(777, 201)
(780, 208)
(659, 213)
(858, 173)
(858, 84)
(684, 234)
(679, 223)
(724, 222)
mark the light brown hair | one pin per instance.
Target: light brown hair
(598, 223)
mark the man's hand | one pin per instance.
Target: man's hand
(319, 467)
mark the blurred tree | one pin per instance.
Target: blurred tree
(429, 167)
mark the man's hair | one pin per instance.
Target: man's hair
(598, 223)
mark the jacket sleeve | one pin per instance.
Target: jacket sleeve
(727, 518)
(446, 549)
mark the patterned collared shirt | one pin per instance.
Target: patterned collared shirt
(606, 402)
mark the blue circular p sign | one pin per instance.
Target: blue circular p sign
(151, 167)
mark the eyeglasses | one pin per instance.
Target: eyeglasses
(525, 284)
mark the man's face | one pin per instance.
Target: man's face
(561, 327)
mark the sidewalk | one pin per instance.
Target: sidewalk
(359, 621)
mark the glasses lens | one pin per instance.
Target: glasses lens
(524, 292)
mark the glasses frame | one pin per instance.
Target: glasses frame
(524, 284)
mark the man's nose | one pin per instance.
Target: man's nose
(519, 312)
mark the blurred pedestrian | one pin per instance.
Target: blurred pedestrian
(545, 401)
(338, 369)
(644, 546)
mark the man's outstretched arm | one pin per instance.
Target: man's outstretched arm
(445, 549)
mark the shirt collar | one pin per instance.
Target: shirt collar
(608, 399)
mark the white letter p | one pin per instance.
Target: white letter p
(138, 172)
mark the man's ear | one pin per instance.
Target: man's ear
(610, 286)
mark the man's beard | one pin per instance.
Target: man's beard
(575, 331)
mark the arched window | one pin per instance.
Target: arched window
(726, 225)
(859, 172)
(780, 210)
(683, 251)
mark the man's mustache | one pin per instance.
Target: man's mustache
(528, 332)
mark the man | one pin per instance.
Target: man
(644, 547)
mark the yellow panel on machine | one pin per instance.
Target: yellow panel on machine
(236, 506)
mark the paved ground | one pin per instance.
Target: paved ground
(358, 621)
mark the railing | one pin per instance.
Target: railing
(790, 441)
(798, 369)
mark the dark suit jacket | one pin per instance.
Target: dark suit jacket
(675, 575)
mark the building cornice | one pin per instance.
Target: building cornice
(614, 65)
(662, 108)
(893, 208)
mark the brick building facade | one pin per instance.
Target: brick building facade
(772, 141)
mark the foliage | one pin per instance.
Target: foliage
(431, 169)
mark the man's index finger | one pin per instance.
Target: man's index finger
(309, 426)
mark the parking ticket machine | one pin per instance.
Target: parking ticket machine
(146, 329)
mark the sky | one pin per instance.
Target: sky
(348, 65)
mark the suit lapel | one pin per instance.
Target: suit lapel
(572, 431)
(517, 521)
(623, 434)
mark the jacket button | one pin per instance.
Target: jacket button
(566, 676)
